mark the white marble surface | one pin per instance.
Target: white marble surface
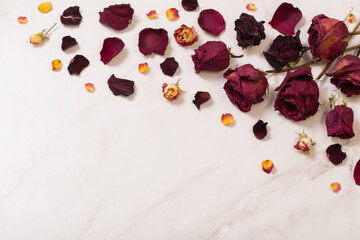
(75, 165)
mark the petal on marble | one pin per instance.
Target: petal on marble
(169, 66)
(211, 21)
(111, 48)
(152, 14)
(153, 40)
(120, 86)
(90, 87)
(200, 98)
(267, 166)
(357, 173)
(172, 14)
(259, 129)
(68, 42)
(251, 7)
(335, 187)
(143, 67)
(189, 5)
(22, 20)
(56, 65)
(77, 64)
(334, 154)
(227, 119)
(285, 18)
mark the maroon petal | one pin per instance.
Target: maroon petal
(211, 21)
(357, 173)
(153, 40)
(169, 66)
(68, 42)
(189, 5)
(77, 64)
(334, 154)
(111, 48)
(117, 16)
(285, 18)
(120, 86)
(200, 98)
(259, 129)
(71, 16)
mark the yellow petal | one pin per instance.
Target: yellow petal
(227, 119)
(152, 14)
(335, 187)
(172, 14)
(251, 7)
(143, 67)
(267, 166)
(351, 18)
(90, 87)
(45, 7)
(56, 64)
(22, 20)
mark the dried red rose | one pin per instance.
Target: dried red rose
(328, 38)
(189, 5)
(71, 16)
(153, 40)
(246, 86)
(249, 32)
(339, 122)
(111, 48)
(211, 21)
(169, 66)
(68, 42)
(120, 86)
(185, 36)
(117, 16)
(200, 98)
(298, 95)
(357, 173)
(211, 56)
(77, 64)
(334, 154)
(346, 75)
(285, 18)
(304, 143)
(259, 129)
(283, 50)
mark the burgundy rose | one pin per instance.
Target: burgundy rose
(211, 56)
(285, 18)
(117, 16)
(153, 40)
(298, 95)
(249, 32)
(283, 50)
(346, 75)
(339, 122)
(245, 86)
(327, 38)
(211, 21)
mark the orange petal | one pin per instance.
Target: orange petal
(143, 67)
(45, 7)
(351, 18)
(172, 14)
(335, 187)
(22, 20)
(56, 64)
(267, 166)
(227, 119)
(36, 39)
(251, 7)
(90, 87)
(152, 14)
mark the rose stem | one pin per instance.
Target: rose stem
(50, 28)
(355, 33)
(234, 56)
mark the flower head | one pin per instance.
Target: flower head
(171, 91)
(304, 143)
(185, 36)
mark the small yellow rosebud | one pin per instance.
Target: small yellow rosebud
(36, 39)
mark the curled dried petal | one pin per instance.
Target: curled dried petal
(36, 39)
(357, 173)
(22, 20)
(334, 154)
(227, 119)
(120, 86)
(152, 14)
(143, 67)
(172, 14)
(285, 18)
(189, 5)
(259, 129)
(211, 21)
(68, 42)
(153, 40)
(251, 7)
(169, 66)
(335, 187)
(111, 48)
(90, 87)
(77, 64)
(267, 166)
(56, 64)
(200, 98)
(71, 16)
(117, 16)
(45, 7)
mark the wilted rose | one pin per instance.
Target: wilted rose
(185, 36)
(298, 95)
(339, 122)
(346, 75)
(249, 32)
(327, 38)
(283, 50)
(211, 56)
(171, 91)
(304, 143)
(245, 86)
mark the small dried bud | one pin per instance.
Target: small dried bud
(304, 143)
(36, 38)
(171, 91)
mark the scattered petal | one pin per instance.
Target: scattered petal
(211, 21)
(351, 18)
(117, 16)
(200, 98)
(143, 67)
(227, 119)
(334, 154)
(285, 18)
(267, 166)
(77, 64)
(152, 14)
(68, 42)
(357, 173)
(171, 91)
(71, 16)
(120, 86)
(185, 36)
(90, 87)
(304, 143)
(22, 20)
(111, 48)
(259, 129)
(45, 7)
(335, 187)
(56, 65)
(251, 7)
(169, 66)
(172, 14)
(189, 5)
(153, 40)
(36, 39)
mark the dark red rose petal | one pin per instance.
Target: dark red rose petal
(111, 48)
(357, 173)
(211, 21)
(285, 18)
(77, 64)
(200, 98)
(259, 129)
(153, 40)
(117, 16)
(120, 86)
(71, 16)
(334, 154)
(189, 5)
(68, 42)
(169, 66)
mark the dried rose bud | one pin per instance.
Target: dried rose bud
(227, 119)
(251, 7)
(56, 65)
(285, 18)
(189, 5)
(45, 7)
(211, 21)
(259, 129)
(172, 14)
(357, 173)
(71, 16)
(267, 166)
(304, 143)
(249, 32)
(117, 16)
(90, 87)
(153, 40)
(22, 20)
(36, 38)
(143, 67)
(169, 66)
(334, 154)
(351, 18)
(171, 91)
(200, 98)
(335, 187)
(185, 36)
(152, 14)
